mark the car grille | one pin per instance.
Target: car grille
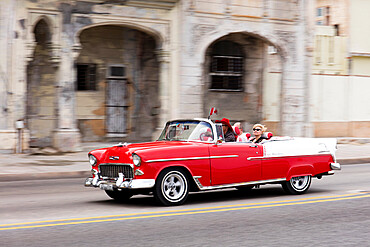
(112, 170)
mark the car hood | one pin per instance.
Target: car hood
(148, 150)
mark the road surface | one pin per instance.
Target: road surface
(62, 212)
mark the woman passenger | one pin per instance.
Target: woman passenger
(258, 130)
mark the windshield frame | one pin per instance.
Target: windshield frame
(207, 121)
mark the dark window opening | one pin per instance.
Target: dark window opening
(319, 12)
(226, 70)
(336, 27)
(226, 82)
(42, 33)
(227, 64)
(86, 77)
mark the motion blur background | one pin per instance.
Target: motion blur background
(90, 71)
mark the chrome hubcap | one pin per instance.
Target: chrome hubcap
(300, 183)
(174, 186)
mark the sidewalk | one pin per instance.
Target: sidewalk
(15, 167)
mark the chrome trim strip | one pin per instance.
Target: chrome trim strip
(139, 172)
(131, 184)
(224, 156)
(114, 157)
(118, 164)
(201, 187)
(196, 180)
(193, 158)
(284, 156)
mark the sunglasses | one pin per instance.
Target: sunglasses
(224, 125)
(257, 129)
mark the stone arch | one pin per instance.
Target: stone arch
(159, 37)
(41, 95)
(135, 52)
(270, 39)
(250, 97)
(53, 42)
(41, 32)
(37, 20)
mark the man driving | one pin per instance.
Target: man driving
(227, 129)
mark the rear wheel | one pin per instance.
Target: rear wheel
(171, 187)
(120, 196)
(297, 185)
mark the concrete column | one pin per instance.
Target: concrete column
(164, 90)
(295, 80)
(5, 45)
(7, 134)
(66, 137)
(292, 102)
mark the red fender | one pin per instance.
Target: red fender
(173, 165)
(300, 170)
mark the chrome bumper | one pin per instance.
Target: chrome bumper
(108, 185)
(335, 166)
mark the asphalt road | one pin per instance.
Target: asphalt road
(334, 212)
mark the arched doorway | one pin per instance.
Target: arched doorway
(41, 95)
(117, 84)
(242, 80)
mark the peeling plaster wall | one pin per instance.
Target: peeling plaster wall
(4, 61)
(244, 106)
(272, 91)
(274, 22)
(170, 80)
(65, 110)
(41, 110)
(116, 45)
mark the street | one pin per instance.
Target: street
(62, 212)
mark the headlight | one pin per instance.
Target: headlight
(92, 160)
(136, 159)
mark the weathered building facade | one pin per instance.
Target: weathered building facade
(340, 74)
(78, 71)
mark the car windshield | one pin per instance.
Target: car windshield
(187, 131)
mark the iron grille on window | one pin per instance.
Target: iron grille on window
(86, 77)
(226, 64)
(226, 70)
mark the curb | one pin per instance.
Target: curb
(353, 161)
(44, 175)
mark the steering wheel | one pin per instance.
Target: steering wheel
(202, 136)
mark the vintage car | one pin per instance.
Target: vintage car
(190, 155)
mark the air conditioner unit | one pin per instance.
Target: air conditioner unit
(116, 72)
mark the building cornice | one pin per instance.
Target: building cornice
(161, 4)
(360, 54)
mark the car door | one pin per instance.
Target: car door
(230, 163)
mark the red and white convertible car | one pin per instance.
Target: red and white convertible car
(190, 155)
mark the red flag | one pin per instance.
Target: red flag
(212, 111)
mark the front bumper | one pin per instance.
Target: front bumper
(111, 185)
(335, 166)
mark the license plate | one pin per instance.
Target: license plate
(106, 187)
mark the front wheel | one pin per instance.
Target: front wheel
(171, 187)
(297, 185)
(121, 196)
